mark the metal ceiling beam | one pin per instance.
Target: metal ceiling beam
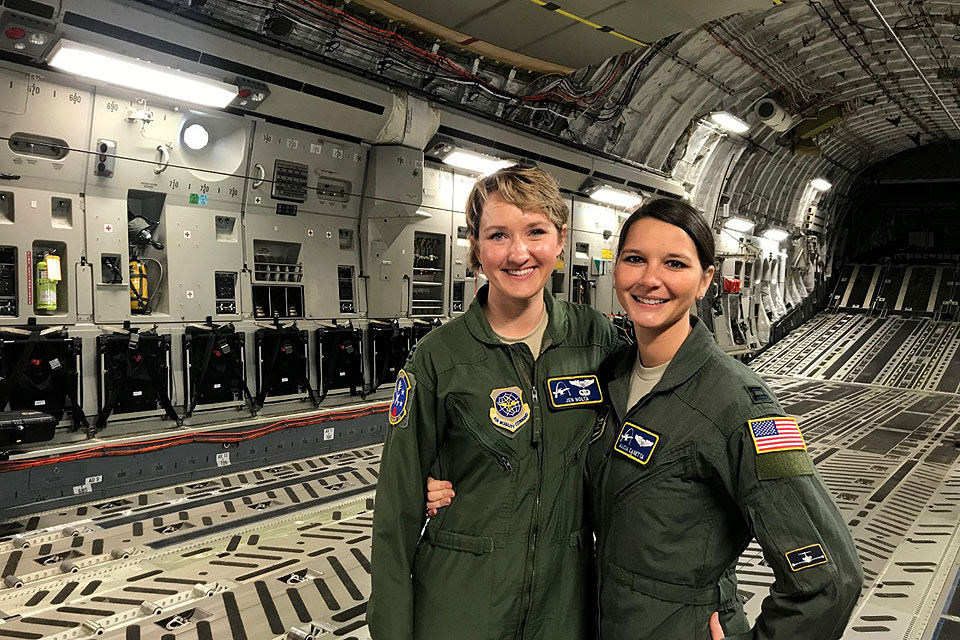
(913, 63)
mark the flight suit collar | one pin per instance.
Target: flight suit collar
(690, 358)
(479, 326)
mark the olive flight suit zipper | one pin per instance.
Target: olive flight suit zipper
(531, 568)
(604, 478)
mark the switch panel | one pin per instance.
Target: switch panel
(8, 281)
(225, 288)
(289, 181)
(345, 289)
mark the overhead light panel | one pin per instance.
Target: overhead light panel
(729, 122)
(739, 224)
(777, 235)
(820, 184)
(89, 62)
(615, 197)
(476, 162)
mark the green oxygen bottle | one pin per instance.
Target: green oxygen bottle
(46, 288)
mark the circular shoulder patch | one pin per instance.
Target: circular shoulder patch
(401, 397)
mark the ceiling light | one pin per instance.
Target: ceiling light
(616, 197)
(95, 64)
(476, 162)
(777, 235)
(729, 122)
(820, 184)
(739, 224)
(196, 137)
(38, 39)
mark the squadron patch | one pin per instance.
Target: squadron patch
(574, 391)
(509, 411)
(777, 433)
(806, 557)
(637, 443)
(401, 399)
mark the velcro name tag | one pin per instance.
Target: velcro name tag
(806, 557)
(574, 391)
(637, 443)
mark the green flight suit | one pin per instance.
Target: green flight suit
(512, 557)
(679, 489)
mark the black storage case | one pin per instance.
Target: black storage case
(25, 427)
(50, 376)
(389, 348)
(281, 362)
(218, 381)
(125, 370)
(340, 358)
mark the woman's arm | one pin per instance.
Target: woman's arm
(408, 453)
(802, 533)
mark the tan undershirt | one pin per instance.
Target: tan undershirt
(643, 380)
(534, 339)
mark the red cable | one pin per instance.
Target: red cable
(147, 446)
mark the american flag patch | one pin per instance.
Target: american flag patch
(776, 434)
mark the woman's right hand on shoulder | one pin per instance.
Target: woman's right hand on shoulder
(439, 494)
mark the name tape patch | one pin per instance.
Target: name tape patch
(776, 434)
(637, 443)
(401, 398)
(573, 391)
(806, 557)
(509, 411)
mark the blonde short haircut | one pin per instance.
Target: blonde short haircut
(525, 186)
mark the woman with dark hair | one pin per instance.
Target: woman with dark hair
(693, 457)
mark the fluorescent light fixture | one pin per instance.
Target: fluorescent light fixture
(615, 197)
(95, 64)
(820, 184)
(476, 162)
(777, 235)
(196, 136)
(739, 224)
(729, 122)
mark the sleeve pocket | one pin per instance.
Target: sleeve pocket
(792, 545)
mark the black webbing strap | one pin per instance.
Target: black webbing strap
(240, 377)
(386, 361)
(271, 371)
(120, 380)
(207, 353)
(153, 371)
(305, 381)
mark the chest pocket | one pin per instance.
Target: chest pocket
(665, 507)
